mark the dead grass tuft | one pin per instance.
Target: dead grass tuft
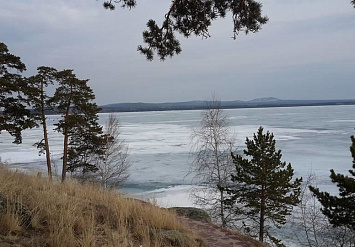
(72, 214)
(10, 224)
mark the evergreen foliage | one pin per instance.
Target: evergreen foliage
(194, 17)
(124, 4)
(73, 99)
(262, 184)
(14, 114)
(79, 124)
(340, 210)
(40, 104)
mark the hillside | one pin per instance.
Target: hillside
(198, 105)
(36, 212)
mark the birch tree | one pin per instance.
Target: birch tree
(212, 165)
(313, 227)
(113, 165)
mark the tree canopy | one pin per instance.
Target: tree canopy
(14, 114)
(193, 17)
(262, 184)
(39, 101)
(340, 210)
(73, 99)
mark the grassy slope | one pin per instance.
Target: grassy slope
(36, 212)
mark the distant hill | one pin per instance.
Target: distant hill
(199, 105)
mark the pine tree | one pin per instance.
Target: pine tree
(193, 17)
(40, 103)
(14, 113)
(79, 124)
(262, 184)
(340, 210)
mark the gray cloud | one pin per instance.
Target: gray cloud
(304, 52)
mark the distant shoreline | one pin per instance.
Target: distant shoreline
(200, 105)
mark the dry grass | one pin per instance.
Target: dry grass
(72, 214)
(10, 223)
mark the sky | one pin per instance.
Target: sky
(305, 51)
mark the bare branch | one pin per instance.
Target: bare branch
(212, 145)
(113, 166)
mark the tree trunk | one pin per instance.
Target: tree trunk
(66, 138)
(215, 138)
(65, 154)
(223, 219)
(48, 154)
(262, 214)
(105, 175)
(45, 135)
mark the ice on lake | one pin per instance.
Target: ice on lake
(313, 139)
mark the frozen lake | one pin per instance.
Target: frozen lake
(313, 139)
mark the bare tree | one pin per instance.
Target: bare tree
(113, 165)
(314, 229)
(212, 165)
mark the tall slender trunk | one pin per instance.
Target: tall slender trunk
(262, 214)
(66, 138)
(65, 154)
(45, 135)
(218, 167)
(105, 173)
(223, 219)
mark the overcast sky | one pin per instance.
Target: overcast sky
(305, 51)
